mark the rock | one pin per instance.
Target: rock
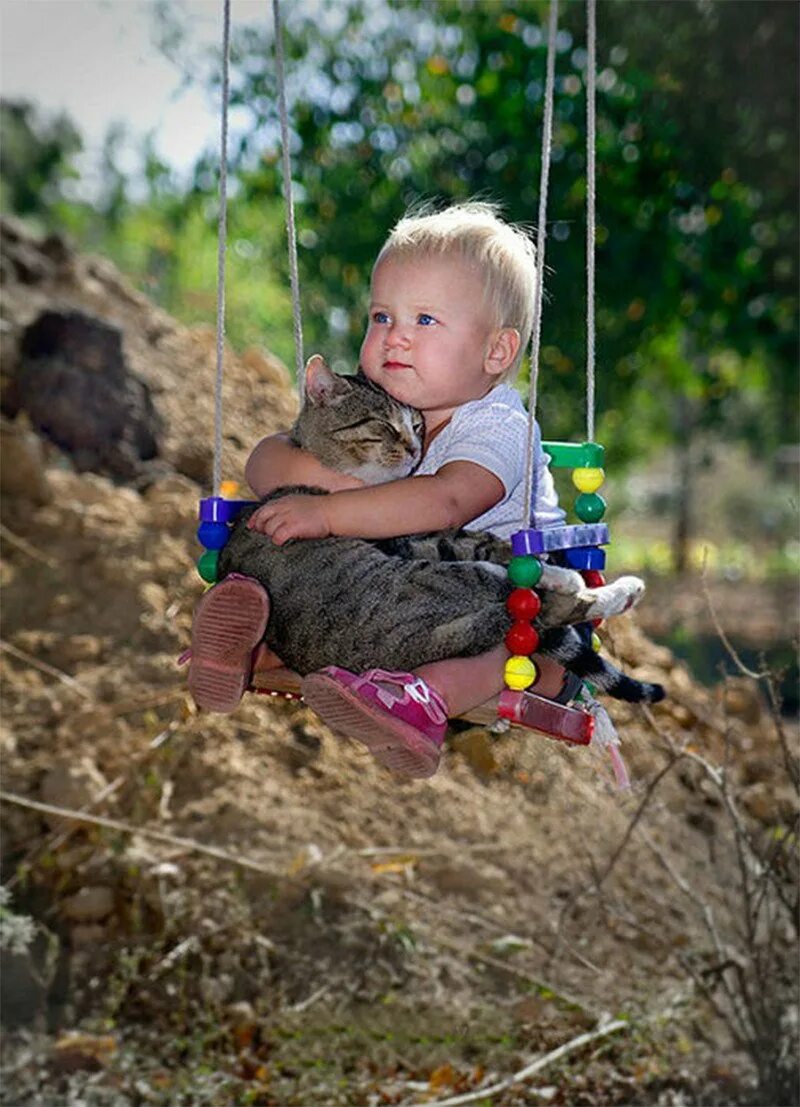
(80, 647)
(89, 904)
(85, 935)
(195, 461)
(25, 979)
(72, 785)
(73, 381)
(741, 697)
(22, 463)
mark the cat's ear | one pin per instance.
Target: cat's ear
(323, 386)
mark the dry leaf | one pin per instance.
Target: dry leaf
(401, 864)
(443, 1077)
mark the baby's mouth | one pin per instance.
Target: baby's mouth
(396, 365)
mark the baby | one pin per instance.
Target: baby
(450, 317)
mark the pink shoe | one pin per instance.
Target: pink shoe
(229, 623)
(397, 716)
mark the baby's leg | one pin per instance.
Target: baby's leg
(466, 682)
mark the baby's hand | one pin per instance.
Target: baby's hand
(288, 517)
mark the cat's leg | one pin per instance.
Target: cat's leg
(228, 625)
(460, 545)
(566, 600)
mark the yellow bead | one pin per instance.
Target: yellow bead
(597, 643)
(229, 489)
(588, 480)
(520, 672)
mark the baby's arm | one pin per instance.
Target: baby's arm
(276, 461)
(459, 492)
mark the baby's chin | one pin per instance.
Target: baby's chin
(397, 382)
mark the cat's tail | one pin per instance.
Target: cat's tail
(608, 678)
(565, 645)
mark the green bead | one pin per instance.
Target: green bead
(207, 566)
(589, 507)
(524, 571)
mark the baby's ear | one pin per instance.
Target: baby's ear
(503, 348)
(323, 386)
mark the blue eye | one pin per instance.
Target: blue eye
(380, 317)
(425, 320)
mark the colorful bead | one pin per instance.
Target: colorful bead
(589, 507)
(213, 536)
(585, 557)
(207, 566)
(520, 673)
(547, 539)
(525, 571)
(523, 603)
(588, 480)
(229, 489)
(597, 645)
(593, 578)
(521, 638)
(571, 455)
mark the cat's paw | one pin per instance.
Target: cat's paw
(620, 596)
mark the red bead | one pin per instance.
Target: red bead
(523, 603)
(522, 639)
(593, 578)
(596, 623)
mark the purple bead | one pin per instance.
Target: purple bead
(549, 539)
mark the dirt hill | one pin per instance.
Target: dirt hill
(308, 929)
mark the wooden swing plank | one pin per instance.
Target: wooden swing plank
(557, 721)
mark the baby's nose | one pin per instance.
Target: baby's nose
(399, 335)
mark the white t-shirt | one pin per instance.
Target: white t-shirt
(493, 432)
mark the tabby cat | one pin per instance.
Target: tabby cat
(399, 603)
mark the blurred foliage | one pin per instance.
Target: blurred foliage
(401, 102)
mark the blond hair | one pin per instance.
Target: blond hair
(503, 255)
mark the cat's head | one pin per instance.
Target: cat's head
(352, 425)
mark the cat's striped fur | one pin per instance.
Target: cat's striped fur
(400, 603)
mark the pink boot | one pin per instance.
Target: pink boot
(397, 716)
(229, 623)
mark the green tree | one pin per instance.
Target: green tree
(697, 184)
(36, 157)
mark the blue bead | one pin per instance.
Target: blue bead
(213, 536)
(586, 557)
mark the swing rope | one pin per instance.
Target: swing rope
(222, 236)
(541, 235)
(222, 229)
(591, 134)
(291, 230)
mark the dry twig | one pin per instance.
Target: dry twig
(43, 667)
(145, 832)
(533, 1068)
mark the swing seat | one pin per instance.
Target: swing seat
(527, 711)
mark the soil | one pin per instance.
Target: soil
(362, 939)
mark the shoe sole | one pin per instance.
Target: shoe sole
(395, 744)
(228, 625)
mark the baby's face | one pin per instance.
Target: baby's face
(428, 334)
